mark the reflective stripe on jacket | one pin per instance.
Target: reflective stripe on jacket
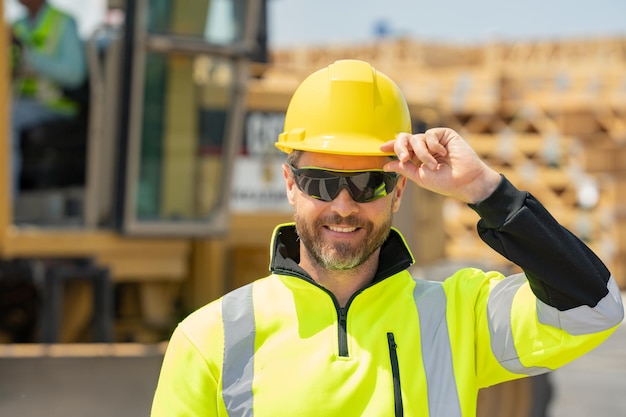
(282, 346)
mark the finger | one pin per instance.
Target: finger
(388, 146)
(422, 151)
(435, 141)
(402, 147)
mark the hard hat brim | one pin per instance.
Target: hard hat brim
(367, 146)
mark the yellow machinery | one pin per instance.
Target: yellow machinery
(167, 110)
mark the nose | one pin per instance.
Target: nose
(344, 204)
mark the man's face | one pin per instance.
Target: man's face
(341, 234)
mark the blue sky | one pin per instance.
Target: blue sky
(321, 22)
(314, 22)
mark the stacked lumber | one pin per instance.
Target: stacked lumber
(550, 115)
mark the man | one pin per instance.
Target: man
(50, 72)
(340, 328)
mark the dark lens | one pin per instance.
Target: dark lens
(371, 185)
(317, 183)
(364, 186)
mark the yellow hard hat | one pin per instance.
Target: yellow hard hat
(347, 108)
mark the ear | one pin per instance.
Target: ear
(399, 192)
(290, 184)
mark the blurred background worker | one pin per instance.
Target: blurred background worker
(49, 72)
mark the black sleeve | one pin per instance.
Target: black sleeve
(562, 271)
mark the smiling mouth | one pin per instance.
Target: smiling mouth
(342, 229)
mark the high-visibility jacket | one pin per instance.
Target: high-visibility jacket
(52, 60)
(283, 346)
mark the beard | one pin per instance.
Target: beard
(341, 256)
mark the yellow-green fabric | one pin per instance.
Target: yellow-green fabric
(51, 58)
(44, 36)
(298, 370)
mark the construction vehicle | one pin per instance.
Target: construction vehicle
(139, 194)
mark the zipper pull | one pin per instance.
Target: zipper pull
(343, 317)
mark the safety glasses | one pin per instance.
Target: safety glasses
(363, 186)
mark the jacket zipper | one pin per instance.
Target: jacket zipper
(342, 330)
(342, 324)
(395, 374)
(342, 313)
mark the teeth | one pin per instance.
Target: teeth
(342, 229)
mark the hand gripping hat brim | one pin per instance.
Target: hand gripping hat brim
(347, 108)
